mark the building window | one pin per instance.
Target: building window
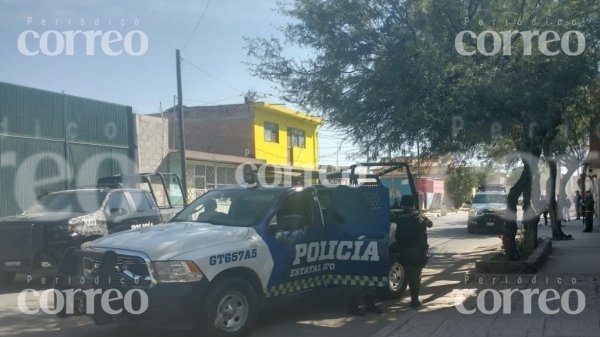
(297, 137)
(206, 176)
(271, 132)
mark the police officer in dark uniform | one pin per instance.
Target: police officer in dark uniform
(588, 209)
(413, 238)
(411, 245)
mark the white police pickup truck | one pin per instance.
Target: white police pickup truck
(235, 248)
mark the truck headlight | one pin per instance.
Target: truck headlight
(177, 271)
(475, 212)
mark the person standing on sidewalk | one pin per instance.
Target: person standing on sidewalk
(578, 201)
(588, 215)
(411, 243)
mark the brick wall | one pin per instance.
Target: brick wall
(224, 129)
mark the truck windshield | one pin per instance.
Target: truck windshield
(489, 199)
(240, 208)
(72, 201)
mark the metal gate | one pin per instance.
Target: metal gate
(52, 141)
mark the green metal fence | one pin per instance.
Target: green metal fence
(52, 141)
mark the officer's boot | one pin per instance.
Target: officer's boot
(415, 286)
(371, 306)
(353, 308)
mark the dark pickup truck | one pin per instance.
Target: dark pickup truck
(35, 240)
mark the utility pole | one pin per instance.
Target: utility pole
(181, 134)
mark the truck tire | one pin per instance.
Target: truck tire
(470, 229)
(231, 309)
(6, 278)
(396, 282)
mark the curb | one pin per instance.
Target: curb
(531, 266)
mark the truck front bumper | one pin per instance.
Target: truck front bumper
(173, 306)
(491, 222)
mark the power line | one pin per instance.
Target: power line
(213, 101)
(212, 76)
(197, 25)
(335, 154)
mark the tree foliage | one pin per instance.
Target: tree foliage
(459, 185)
(388, 72)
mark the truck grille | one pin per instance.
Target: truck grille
(130, 270)
(20, 242)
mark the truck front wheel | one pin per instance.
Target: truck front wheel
(6, 278)
(396, 282)
(231, 309)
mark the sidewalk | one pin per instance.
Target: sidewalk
(579, 256)
(576, 261)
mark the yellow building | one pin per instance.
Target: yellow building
(219, 138)
(285, 137)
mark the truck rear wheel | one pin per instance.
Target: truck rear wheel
(231, 309)
(396, 282)
(6, 278)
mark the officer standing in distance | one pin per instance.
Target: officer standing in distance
(588, 215)
(411, 245)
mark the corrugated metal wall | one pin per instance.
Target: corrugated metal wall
(39, 130)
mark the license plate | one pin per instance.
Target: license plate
(491, 224)
(12, 263)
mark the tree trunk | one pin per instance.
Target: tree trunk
(571, 169)
(555, 220)
(582, 178)
(565, 180)
(510, 224)
(531, 197)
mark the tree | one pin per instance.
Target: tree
(459, 184)
(388, 72)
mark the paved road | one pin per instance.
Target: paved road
(453, 253)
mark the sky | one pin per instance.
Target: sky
(210, 35)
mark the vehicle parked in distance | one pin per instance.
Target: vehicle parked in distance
(35, 240)
(487, 212)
